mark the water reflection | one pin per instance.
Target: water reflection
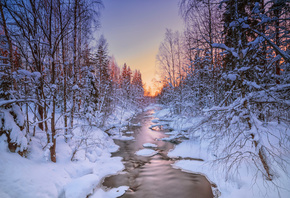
(154, 177)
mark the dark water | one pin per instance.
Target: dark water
(154, 177)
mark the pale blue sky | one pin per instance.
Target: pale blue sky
(135, 28)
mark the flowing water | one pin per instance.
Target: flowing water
(154, 177)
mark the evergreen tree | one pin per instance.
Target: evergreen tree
(104, 83)
(126, 76)
(137, 88)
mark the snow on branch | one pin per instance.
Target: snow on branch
(284, 54)
(7, 102)
(224, 47)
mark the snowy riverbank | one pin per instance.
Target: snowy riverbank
(246, 182)
(90, 148)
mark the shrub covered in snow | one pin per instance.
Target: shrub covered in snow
(12, 125)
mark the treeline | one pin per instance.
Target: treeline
(51, 75)
(231, 66)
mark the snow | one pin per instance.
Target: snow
(82, 186)
(173, 122)
(223, 46)
(19, 115)
(152, 107)
(252, 84)
(120, 137)
(135, 125)
(3, 144)
(146, 152)
(238, 186)
(155, 120)
(112, 193)
(162, 113)
(277, 49)
(120, 119)
(246, 180)
(232, 77)
(191, 148)
(244, 68)
(16, 135)
(35, 176)
(149, 145)
(21, 177)
(75, 87)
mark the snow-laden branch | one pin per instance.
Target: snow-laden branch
(7, 102)
(41, 121)
(280, 102)
(224, 47)
(277, 49)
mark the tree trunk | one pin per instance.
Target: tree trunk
(53, 132)
(8, 39)
(63, 50)
(263, 159)
(277, 40)
(74, 64)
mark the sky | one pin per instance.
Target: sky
(135, 28)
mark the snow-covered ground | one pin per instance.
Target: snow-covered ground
(81, 164)
(149, 145)
(246, 182)
(90, 149)
(146, 152)
(115, 192)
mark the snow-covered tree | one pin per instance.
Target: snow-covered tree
(238, 81)
(41, 32)
(137, 89)
(104, 85)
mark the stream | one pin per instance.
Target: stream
(154, 177)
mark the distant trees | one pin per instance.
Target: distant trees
(132, 91)
(237, 77)
(104, 85)
(50, 77)
(171, 60)
(137, 89)
(125, 80)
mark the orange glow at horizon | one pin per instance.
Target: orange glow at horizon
(134, 30)
(149, 92)
(152, 91)
(145, 62)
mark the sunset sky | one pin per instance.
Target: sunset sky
(134, 30)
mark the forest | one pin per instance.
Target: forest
(231, 66)
(49, 74)
(63, 97)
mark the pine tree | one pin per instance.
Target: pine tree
(104, 84)
(126, 81)
(137, 88)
